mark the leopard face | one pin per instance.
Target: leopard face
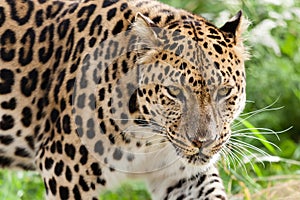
(192, 86)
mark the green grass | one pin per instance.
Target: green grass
(129, 191)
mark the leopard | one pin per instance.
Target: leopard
(95, 92)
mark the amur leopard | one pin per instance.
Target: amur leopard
(97, 91)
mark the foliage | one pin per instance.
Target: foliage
(19, 185)
(129, 191)
(273, 78)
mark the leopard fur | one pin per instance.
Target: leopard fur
(95, 92)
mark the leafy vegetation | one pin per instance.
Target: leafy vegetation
(20, 185)
(273, 93)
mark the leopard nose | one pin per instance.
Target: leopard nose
(201, 143)
(198, 143)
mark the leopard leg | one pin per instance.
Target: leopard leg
(75, 176)
(202, 186)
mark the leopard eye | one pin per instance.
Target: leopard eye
(223, 92)
(174, 91)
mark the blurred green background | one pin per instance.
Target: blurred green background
(273, 94)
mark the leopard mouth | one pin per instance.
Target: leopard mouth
(195, 152)
(190, 154)
(196, 156)
(195, 159)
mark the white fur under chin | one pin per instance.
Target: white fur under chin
(168, 164)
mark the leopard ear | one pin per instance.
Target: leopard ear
(234, 25)
(146, 29)
(148, 42)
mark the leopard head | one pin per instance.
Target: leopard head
(191, 82)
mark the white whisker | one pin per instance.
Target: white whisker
(229, 157)
(250, 101)
(154, 144)
(262, 109)
(235, 152)
(260, 139)
(245, 147)
(251, 114)
(250, 146)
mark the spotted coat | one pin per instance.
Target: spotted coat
(95, 92)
